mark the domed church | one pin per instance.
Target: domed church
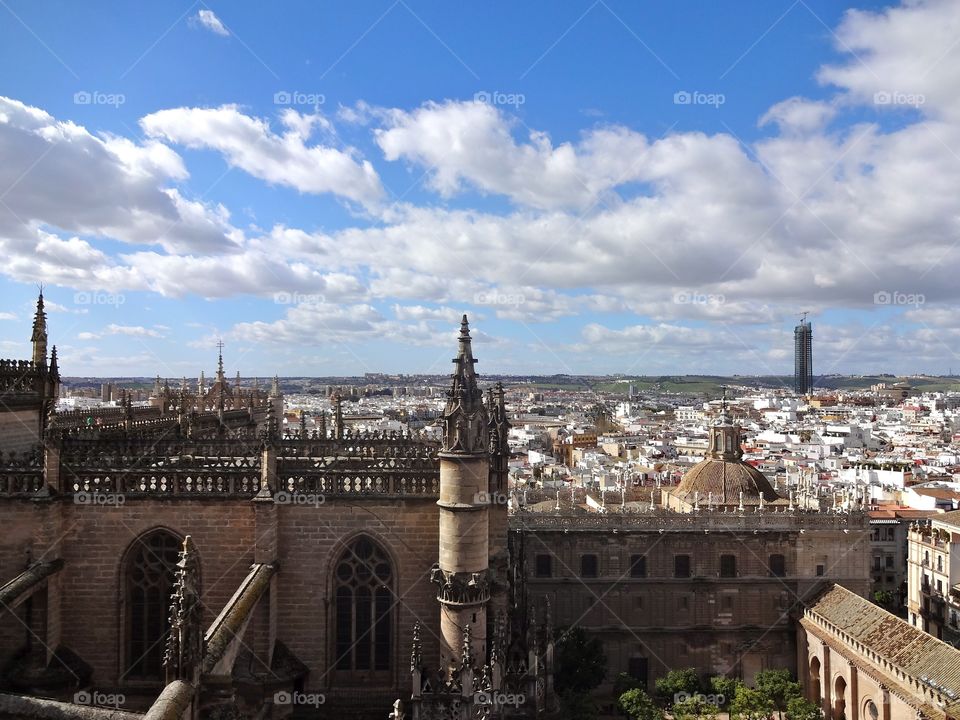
(722, 480)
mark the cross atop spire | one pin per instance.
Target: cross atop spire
(220, 377)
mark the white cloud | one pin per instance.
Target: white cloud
(472, 142)
(248, 143)
(209, 20)
(137, 331)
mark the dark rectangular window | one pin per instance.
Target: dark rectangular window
(543, 566)
(820, 570)
(588, 566)
(778, 566)
(681, 566)
(728, 566)
(727, 602)
(638, 566)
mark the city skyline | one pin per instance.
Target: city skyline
(643, 191)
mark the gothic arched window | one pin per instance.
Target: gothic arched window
(363, 608)
(149, 575)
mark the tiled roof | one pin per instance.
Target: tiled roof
(917, 653)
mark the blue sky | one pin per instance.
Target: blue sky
(603, 186)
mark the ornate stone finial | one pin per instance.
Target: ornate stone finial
(322, 425)
(184, 650)
(465, 424)
(303, 424)
(54, 367)
(337, 402)
(416, 650)
(39, 335)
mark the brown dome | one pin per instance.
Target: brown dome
(725, 479)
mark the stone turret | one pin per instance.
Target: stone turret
(498, 492)
(461, 576)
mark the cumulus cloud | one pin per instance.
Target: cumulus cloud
(207, 19)
(472, 143)
(137, 331)
(286, 159)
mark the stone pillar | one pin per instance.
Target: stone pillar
(853, 707)
(826, 684)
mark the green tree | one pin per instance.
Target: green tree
(749, 704)
(577, 705)
(695, 707)
(639, 706)
(725, 686)
(676, 682)
(799, 708)
(580, 662)
(883, 598)
(624, 682)
(779, 687)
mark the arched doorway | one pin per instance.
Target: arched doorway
(839, 698)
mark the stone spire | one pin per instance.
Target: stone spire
(465, 417)
(39, 337)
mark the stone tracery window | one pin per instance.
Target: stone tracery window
(149, 576)
(363, 608)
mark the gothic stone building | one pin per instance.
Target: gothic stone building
(195, 562)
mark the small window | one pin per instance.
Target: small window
(876, 562)
(544, 566)
(681, 566)
(638, 566)
(889, 561)
(588, 566)
(684, 602)
(726, 602)
(638, 602)
(728, 566)
(778, 565)
(820, 570)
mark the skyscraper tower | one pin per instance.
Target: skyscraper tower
(461, 575)
(803, 357)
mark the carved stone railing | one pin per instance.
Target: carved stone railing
(21, 376)
(20, 474)
(166, 467)
(704, 520)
